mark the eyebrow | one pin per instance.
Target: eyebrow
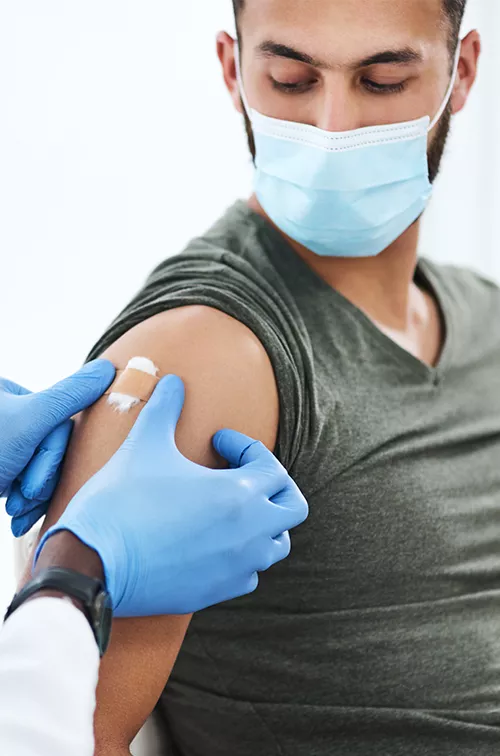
(404, 56)
(399, 57)
(274, 50)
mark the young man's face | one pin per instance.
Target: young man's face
(346, 64)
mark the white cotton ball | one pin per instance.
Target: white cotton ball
(143, 364)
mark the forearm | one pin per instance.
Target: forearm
(133, 676)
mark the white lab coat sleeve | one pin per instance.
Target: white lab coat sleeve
(49, 666)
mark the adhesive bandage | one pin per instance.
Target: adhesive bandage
(133, 385)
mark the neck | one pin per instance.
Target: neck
(382, 286)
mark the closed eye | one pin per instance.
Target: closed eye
(292, 87)
(377, 88)
(298, 87)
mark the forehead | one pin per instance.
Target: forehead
(337, 29)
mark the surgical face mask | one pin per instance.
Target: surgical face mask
(342, 194)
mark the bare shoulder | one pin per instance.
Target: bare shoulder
(228, 375)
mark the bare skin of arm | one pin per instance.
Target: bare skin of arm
(229, 383)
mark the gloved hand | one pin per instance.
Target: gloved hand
(175, 537)
(34, 433)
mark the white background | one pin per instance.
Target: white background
(119, 143)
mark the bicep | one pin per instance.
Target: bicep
(229, 383)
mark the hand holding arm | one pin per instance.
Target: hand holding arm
(176, 537)
(34, 433)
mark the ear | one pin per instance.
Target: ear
(225, 53)
(467, 70)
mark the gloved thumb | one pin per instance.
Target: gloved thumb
(10, 387)
(59, 403)
(158, 420)
(237, 448)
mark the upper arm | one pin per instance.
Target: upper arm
(229, 383)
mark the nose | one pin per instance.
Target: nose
(338, 109)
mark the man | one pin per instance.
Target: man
(150, 534)
(381, 634)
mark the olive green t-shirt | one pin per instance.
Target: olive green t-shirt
(381, 633)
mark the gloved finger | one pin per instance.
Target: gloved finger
(242, 450)
(59, 403)
(272, 550)
(281, 548)
(247, 585)
(268, 475)
(23, 524)
(37, 480)
(252, 583)
(281, 513)
(157, 423)
(17, 504)
(292, 503)
(233, 446)
(47, 491)
(10, 387)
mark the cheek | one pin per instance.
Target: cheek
(421, 98)
(263, 96)
(434, 91)
(321, 103)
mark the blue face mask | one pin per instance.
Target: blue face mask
(342, 194)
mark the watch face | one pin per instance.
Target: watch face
(103, 618)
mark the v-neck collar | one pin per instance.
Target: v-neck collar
(311, 284)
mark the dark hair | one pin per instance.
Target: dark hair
(454, 10)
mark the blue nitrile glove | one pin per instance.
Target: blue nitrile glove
(34, 432)
(175, 537)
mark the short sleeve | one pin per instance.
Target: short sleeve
(217, 278)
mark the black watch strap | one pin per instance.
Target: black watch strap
(89, 591)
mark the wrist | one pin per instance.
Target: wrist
(63, 549)
(85, 591)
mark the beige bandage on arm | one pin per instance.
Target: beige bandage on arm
(133, 385)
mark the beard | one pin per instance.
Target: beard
(434, 154)
(438, 144)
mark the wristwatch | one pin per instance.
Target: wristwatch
(88, 591)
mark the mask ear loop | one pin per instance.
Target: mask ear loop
(449, 91)
(239, 79)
